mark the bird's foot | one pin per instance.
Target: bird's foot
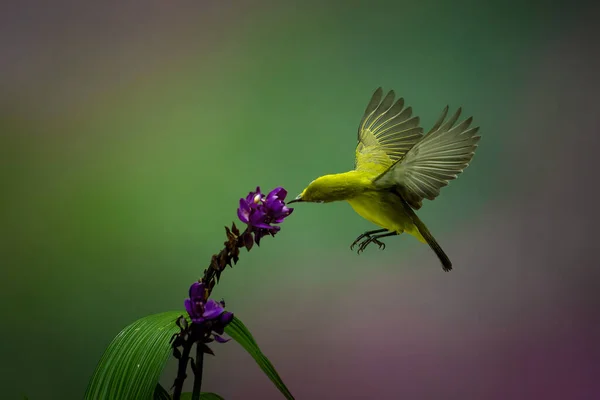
(367, 241)
(369, 238)
(358, 239)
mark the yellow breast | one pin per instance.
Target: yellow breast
(385, 210)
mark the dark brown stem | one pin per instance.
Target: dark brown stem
(181, 371)
(198, 372)
(227, 256)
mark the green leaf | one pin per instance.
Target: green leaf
(131, 365)
(238, 332)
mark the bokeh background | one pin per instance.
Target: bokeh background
(129, 130)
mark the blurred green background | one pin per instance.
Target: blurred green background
(129, 130)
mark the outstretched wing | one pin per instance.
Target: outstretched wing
(429, 165)
(386, 132)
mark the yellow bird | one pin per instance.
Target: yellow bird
(395, 168)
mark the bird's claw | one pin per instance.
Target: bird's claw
(355, 243)
(365, 236)
(367, 240)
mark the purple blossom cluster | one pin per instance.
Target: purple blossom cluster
(208, 317)
(260, 212)
(208, 313)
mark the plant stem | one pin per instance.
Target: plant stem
(210, 273)
(181, 371)
(198, 372)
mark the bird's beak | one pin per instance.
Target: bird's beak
(296, 200)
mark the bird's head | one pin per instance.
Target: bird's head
(321, 190)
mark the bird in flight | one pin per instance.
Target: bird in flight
(395, 168)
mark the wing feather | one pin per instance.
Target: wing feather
(443, 153)
(386, 132)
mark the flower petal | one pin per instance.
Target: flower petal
(262, 225)
(251, 195)
(241, 216)
(278, 193)
(226, 318)
(258, 219)
(244, 211)
(197, 290)
(189, 307)
(220, 339)
(275, 206)
(212, 310)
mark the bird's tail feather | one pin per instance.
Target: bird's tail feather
(446, 264)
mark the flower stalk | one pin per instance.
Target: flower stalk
(259, 213)
(208, 318)
(198, 373)
(208, 322)
(181, 370)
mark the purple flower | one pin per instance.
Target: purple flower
(208, 313)
(259, 212)
(195, 304)
(212, 310)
